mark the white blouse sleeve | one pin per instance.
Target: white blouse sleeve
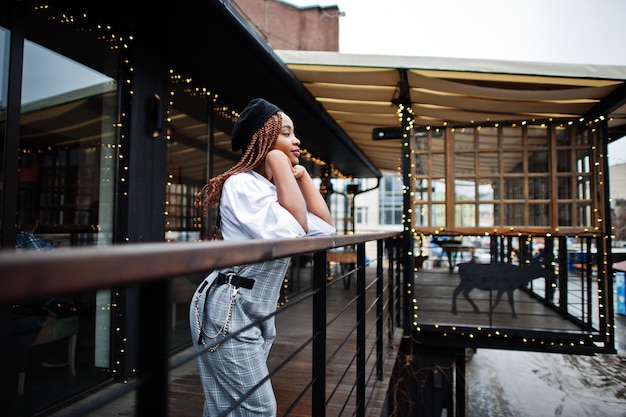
(250, 210)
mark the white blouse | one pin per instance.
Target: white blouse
(250, 210)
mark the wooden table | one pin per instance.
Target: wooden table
(342, 257)
(452, 249)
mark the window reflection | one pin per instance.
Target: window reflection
(67, 168)
(509, 170)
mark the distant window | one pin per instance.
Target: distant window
(360, 215)
(391, 200)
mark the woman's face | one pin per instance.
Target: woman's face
(287, 142)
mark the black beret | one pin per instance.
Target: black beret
(251, 119)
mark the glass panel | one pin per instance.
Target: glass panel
(513, 188)
(513, 215)
(391, 200)
(438, 215)
(439, 186)
(537, 136)
(422, 164)
(69, 176)
(538, 162)
(486, 189)
(421, 141)
(486, 215)
(187, 156)
(4, 80)
(583, 212)
(438, 167)
(67, 163)
(465, 215)
(512, 162)
(464, 190)
(583, 188)
(563, 160)
(539, 215)
(564, 188)
(563, 136)
(421, 191)
(488, 138)
(583, 161)
(538, 188)
(464, 164)
(464, 140)
(498, 215)
(421, 215)
(437, 142)
(512, 137)
(565, 214)
(489, 164)
(582, 138)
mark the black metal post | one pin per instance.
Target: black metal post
(407, 232)
(361, 335)
(318, 368)
(380, 320)
(152, 352)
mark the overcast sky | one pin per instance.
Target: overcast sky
(560, 31)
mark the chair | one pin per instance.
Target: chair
(55, 329)
(182, 291)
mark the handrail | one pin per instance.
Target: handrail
(26, 275)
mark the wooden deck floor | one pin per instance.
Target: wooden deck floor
(434, 293)
(293, 329)
(434, 288)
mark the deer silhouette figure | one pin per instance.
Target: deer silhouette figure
(500, 277)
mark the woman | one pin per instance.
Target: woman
(266, 195)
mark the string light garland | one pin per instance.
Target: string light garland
(593, 231)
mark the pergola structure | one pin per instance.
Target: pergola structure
(511, 152)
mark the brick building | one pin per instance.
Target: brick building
(293, 28)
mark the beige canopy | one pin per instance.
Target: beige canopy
(358, 90)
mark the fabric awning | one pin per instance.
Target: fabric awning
(358, 90)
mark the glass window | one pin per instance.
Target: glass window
(514, 214)
(513, 188)
(565, 214)
(488, 138)
(360, 215)
(464, 191)
(464, 140)
(187, 160)
(538, 188)
(512, 137)
(538, 162)
(539, 214)
(67, 174)
(488, 164)
(68, 154)
(537, 137)
(486, 215)
(391, 200)
(465, 215)
(508, 169)
(487, 188)
(464, 164)
(438, 215)
(4, 85)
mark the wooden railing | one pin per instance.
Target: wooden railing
(26, 276)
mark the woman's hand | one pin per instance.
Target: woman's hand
(298, 171)
(279, 170)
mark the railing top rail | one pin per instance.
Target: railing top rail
(26, 275)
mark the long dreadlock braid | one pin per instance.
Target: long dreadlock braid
(261, 143)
